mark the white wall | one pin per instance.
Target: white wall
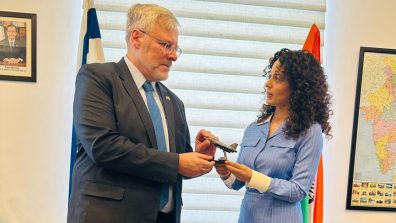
(349, 25)
(36, 119)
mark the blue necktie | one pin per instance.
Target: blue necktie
(159, 132)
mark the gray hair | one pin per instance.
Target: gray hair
(145, 16)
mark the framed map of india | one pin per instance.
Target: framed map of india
(372, 172)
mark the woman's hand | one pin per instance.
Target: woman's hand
(222, 170)
(241, 172)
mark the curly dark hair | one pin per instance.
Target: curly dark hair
(309, 99)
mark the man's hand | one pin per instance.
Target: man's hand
(202, 145)
(222, 170)
(194, 164)
(241, 172)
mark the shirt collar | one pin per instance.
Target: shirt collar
(264, 121)
(137, 76)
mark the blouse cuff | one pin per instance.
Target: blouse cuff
(230, 181)
(259, 182)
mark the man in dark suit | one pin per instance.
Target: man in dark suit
(12, 50)
(120, 171)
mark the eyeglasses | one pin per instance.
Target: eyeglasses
(169, 47)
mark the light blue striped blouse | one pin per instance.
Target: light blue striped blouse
(292, 166)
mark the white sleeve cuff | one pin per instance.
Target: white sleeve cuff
(259, 182)
(230, 181)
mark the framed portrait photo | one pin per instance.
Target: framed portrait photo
(372, 171)
(18, 46)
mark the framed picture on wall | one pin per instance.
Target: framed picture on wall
(372, 171)
(17, 46)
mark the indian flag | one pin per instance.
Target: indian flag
(312, 205)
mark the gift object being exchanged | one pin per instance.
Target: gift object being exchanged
(226, 148)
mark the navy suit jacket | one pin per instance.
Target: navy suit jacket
(118, 172)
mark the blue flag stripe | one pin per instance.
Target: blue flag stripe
(72, 157)
(93, 32)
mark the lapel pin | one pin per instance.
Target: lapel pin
(167, 98)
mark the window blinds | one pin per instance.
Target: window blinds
(226, 45)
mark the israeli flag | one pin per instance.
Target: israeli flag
(90, 51)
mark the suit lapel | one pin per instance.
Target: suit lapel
(132, 89)
(169, 114)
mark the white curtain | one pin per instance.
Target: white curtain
(226, 45)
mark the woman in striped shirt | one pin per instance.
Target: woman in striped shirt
(280, 152)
